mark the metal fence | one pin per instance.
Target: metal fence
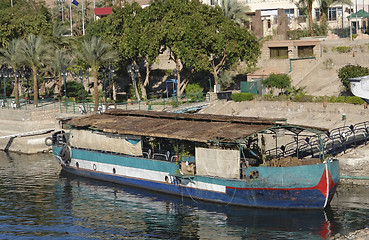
(73, 107)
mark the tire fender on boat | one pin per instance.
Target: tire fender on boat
(49, 141)
(66, 154)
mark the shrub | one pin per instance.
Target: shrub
(194, 91)
(239, 97)
(354, 100)
(342, 49)
(74, 90)
(351, 71)
(280, 81)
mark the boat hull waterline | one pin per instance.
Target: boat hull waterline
(298, 187)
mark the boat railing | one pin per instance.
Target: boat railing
(335, 141)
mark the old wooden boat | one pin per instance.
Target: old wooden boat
(223, 159)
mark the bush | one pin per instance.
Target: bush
(194, 91)
(351, 71)
(74, 90)
(297, 34)
(342, 49)
(280, 81)
(239, 97)
(348, 99)
(354, 100)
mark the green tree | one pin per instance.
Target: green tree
(24, 18)
(60, 62)
(10, 57)
(96, 53)
(280, 81)
(59, 35)
(36, 53)
(351, 71)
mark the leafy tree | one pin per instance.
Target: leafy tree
(24, 18)
(96, 53)
(36, 52)
(280, 81)
(351, 71)
(200, 37)
(10, 56)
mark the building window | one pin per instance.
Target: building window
(289, 12)
(333, 13)
(305, 51)
(213, 2)
(302, 12)
(278, 52)
(317, 14)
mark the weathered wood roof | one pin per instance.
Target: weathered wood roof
(192, 127)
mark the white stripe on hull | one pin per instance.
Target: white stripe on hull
(144, 174)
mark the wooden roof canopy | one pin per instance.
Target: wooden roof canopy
(192, 127)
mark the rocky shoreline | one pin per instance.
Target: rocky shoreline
(362, 234)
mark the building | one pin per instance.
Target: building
(268, 12)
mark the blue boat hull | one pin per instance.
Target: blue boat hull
(303, 187)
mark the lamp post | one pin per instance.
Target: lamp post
(133, 71)
(27, 74)
(5, 75)
(62, 9)
(176, 86)
(2, 74)
(64, 74)
(82, 88)
(110, 72)
(104, 72)
(17, 74)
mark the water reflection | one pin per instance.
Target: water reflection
(38, 200)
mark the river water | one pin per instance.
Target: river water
(38, 201)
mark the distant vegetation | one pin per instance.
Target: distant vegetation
(351, 71)
(342, 49)
(240, 97)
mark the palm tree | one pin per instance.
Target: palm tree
(62, 60)
(10, 56)
(308, 4)
(59, 33)
(235, 10)
(35, 52)
(96, 53)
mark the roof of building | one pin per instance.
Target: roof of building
(103, 11)
(192, 127)
(359, 14)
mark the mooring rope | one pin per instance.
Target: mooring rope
(234, 193)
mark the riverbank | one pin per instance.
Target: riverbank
(362, 234)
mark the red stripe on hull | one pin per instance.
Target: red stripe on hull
(321, 186)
